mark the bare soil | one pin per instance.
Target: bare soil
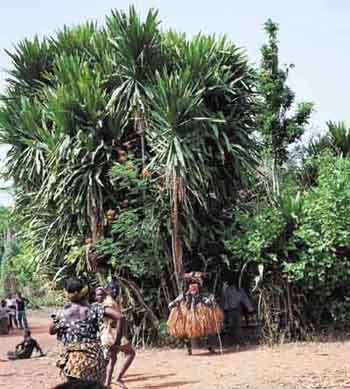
(292, 366)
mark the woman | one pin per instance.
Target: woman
(76, 327)
(194, 316)
(100, 295)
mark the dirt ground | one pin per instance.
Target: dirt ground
(293, 366)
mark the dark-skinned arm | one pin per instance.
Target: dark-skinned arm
(113, 314)
(52, 329)
(38, 348)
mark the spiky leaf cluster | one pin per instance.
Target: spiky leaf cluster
(88, 99)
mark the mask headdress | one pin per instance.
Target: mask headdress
(194, 277)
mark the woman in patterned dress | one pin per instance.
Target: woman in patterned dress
(77, 327)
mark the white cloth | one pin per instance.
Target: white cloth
(11, 305)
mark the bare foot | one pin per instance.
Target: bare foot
(121, 384)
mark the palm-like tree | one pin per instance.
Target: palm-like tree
(339, 138)
(137, 55)
(193, 136)
(78, 103)
(336, 140)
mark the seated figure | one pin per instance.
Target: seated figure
(24, 350)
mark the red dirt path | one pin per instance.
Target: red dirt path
(296, 366)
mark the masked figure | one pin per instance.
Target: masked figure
(194, 316)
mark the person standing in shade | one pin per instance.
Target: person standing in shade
(21, 311)
(234, 301)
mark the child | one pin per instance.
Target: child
(25, 349)
(113, 337)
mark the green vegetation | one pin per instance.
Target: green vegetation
(278, 127)
(140, 153)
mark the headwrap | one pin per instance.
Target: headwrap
(194, 277)
(78, 296)
(102, 289)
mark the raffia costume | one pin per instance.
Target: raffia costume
(193, 315)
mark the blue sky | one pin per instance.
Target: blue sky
(314, 35)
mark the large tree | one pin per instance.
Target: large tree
(178, 113)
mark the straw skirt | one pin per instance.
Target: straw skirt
(197, 321)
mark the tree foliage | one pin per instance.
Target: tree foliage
(280, 123)
(127, 120)
(141, 153)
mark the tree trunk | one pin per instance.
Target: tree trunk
(291, 320)
(275, 177)
(140, 128)
(96, 230)
(176, 198)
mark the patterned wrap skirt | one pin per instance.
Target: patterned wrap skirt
(195, 321)
(83, 361)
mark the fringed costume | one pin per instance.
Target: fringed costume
(192, 315)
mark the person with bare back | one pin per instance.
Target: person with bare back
(77, 329)
(113, 335)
